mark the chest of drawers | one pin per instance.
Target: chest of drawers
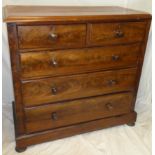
(75, 69)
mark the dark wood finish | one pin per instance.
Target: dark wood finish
(51, 36)
(75, 69)
(63, 132)
(20, 149)
(14, 56)
(49, 90)
(141, 58)
(62, 62)
(63, 114)
(116, 33)
(71, 14)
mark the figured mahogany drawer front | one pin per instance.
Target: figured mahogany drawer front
(37, 92)
(62, 114)
(65, 62)
(116, 33)
(51, 36)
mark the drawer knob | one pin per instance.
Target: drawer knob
(112, 82)
(115, 57)
(54, 90)
(53, 36)
(54, 62)
(54, 116)
(109, 106)
(119, 34)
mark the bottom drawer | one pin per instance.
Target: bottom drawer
(72, 112)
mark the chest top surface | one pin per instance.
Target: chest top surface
(71, 13)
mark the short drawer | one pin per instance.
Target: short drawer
(116, 33)
(42, 91)
(64, 62)
(51, 36)
(62, 114)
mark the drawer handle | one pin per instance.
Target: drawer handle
(115, 57)
(112, 82)
(54, 63)
(119, 34)
(54, 90)
(109, 106)
(53, 36)
(54, 116)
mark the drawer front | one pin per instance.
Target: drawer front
(37, 92)
(51, 36)
(63, 114)
(116, 33)
(65, 62)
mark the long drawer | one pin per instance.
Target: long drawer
(116, 33)
(61, 114)
(63, 62)
(42, 91)
(51, 36)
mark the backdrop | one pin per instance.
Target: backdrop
(144, 93)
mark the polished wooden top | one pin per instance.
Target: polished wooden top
(69, 13)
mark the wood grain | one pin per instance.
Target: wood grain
(75, 69)
(18, 107)
(37, 92)
(51, 36)
(65, 62)
(71, 13)
(76, 111)
(116, 33)
(141, 59)
(31, 139)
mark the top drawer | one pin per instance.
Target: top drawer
(51, 36)
(116, 33)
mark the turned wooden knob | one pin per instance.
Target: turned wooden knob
(54, 62)
(115, 57)
(54, 116)
(53, 36)
(119, 34)
(112, 82)
(109, 106)
(54, 90)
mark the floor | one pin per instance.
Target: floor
(121, 140)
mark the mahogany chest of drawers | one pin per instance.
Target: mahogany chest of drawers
(75, 69)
